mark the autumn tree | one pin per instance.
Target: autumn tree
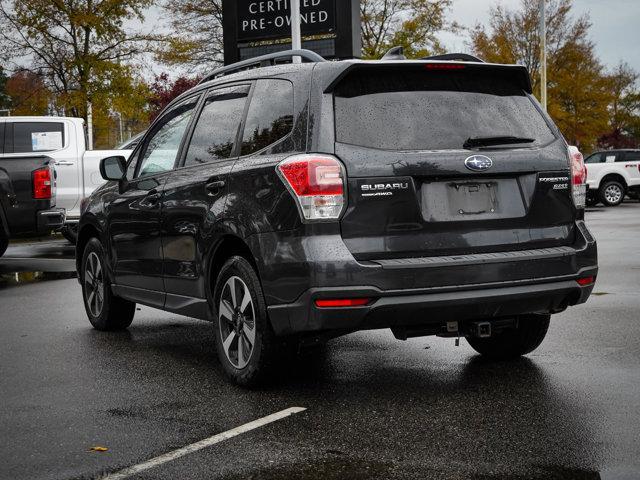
(578, 88)
(28, 94)
(5, 100)
(163, 90)
(624, 110)
(411, 24)
(78, 46)
(196, 38)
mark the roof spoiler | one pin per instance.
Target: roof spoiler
(519, 72)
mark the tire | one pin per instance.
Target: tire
(592, 201)
(239, 329)
(4, 241)
(112, 313)
(515, 342)
(70, 233)
(611, 193)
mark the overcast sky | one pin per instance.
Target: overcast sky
(615, 30)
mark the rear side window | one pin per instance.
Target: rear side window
(217, 128)
(1, 137)
(631, 157)
(270, 116)
(33, 137)
(421, 109)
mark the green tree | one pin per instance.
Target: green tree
(578, 87)
(624, 110)
(79, 46)
(411, 24)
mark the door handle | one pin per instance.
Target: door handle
(151, 199)
(213, 187)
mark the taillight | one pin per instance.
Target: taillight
(317, 184)
(578, 177)
(42, 183)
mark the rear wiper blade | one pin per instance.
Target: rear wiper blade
(497, 140)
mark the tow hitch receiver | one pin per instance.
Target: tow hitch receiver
(482, 329)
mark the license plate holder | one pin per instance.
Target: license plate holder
(472, 198)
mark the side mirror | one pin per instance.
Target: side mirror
(113, 168)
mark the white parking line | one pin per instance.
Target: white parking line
(207, 442)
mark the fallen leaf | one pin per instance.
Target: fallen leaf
(98, 449)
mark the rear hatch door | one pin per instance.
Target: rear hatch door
(445, 161)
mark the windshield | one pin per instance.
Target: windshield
(434, 110)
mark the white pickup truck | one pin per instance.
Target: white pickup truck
(77, 169)
(611, 175)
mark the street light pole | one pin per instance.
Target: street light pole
(543, 56)
(296, 36)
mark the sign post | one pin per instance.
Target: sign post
(296, 34)
(251, 28)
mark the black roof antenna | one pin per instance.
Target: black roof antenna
(394, 53)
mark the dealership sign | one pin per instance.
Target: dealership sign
(331, 28)
(265, 19)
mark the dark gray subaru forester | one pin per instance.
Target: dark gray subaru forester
(293, 203)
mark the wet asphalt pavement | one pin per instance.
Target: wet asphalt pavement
(376, 407)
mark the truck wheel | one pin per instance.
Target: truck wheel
(106, 312)
(70, 232)
(4, 241)
(245, 342)
(611, 193)
(514, 342)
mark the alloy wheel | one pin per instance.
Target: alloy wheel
(237, 322)
(94, 284)
(613, 193)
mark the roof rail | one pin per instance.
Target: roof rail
(465, 57)
(263, 61)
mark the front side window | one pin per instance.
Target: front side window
(270, 116)
(595, 158)
(215, 133)
(159, 154)
(33, 137)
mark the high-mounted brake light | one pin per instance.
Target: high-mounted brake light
(578, 177)
(342, 302)
(444, 66)
(42, 183)
(317, 184)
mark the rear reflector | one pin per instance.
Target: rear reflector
(584, 281)
(342, 302)
(42, 184)
(317, 184)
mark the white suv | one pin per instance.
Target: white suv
(611, 175)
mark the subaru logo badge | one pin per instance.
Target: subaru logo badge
(478, 163)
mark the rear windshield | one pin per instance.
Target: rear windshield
(420, 109)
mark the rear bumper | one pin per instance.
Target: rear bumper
(419, 308)
(50, 220)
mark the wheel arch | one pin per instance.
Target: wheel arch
(85, 233)
(613, 176)
(228, 246)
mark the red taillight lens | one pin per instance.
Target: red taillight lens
(342, 302)
(584, 281)
(317, 183)
(578, 177)
(42, 184)
(443, 66)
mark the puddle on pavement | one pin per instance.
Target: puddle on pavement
(22, 278)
